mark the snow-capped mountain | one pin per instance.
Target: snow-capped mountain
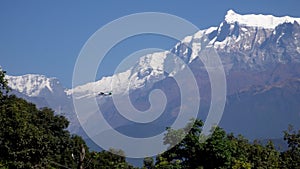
(255, 50)
(33, 85)
(248, 41)
(240, 39)
(148, 68)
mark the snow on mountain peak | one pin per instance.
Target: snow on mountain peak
(30, 84)
(254, 20)
(148, 67)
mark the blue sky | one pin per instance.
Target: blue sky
(45, 37)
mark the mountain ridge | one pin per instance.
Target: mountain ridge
(231, 18)
(252, 55)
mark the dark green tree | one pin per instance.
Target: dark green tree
(264, 156)
(291, 157)
(108, 159)
(219, 150)
(240, 147)
(148, 163)
(4, 89)
(164, 163)
(187, 152)
(31, 137)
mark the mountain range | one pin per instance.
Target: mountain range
(261, 59)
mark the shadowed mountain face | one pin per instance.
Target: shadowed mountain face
(261, 111)
(261, 58)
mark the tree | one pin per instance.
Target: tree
(108, 160)
(186, 152)
(164, 163)
(291, 157)
(264, 156)
(31, 137)
(148, 163)
(220, 150)
(4, 89)
(79, 152)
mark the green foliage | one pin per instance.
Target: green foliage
(28, 136)
(4, 89)
(32, 138)
(148, 163)
(264, 156)
(240, 164)
(186, 152)
(291, 157)
(163, 163)
(223, 150)
(108, 160)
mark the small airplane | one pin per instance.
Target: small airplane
(105, 94)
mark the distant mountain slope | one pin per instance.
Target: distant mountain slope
(262, 111)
